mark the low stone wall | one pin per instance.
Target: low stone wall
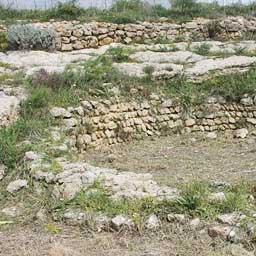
(73, 35)
(110, 122)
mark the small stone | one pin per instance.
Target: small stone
(115, 90)
(219, 184)
(72, 189)
(251, 198)
(48, 177)
(190, 122)
(41, 215)
(155, 96)
(2, 171)
(101, 222)
(211, 135)
(247, 101)
(74, 217)
(176, 217)
(194, 223)
(251, 120)
(219, 231)
(69, 123)
(16, 186)
(87, 139)
(106, 41)
(230, 218)
(193, 140)
(232, 236)
(152, 222)
(31, 156)
(167, 103)
(241, 133)
(12, 211)
(121, 221)
(217, 197)
(60, 112)
(67, 47)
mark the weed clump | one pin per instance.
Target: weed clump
(43, 78)
(203, 49)
(119, 54)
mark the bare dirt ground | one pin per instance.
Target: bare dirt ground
(172, 160)
(182, 158)
(170, 241)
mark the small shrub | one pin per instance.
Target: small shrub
(37, 101)
(132, 5)
(240, 50)
(172, 48)
(213, 29)
(26, 37)
(203, 49)
(149, 70)
(119, 54)
(66, 11)
(193, 196)
(45, 79)
(92, 71)
(3, 42)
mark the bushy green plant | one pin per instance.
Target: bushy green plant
(94, 71)
(3, 42)
(10, 152)
(132, 5)
(29, 37)
(66, 11)
(148, 70)
(119, 54)
(185, 7)
(203, 49)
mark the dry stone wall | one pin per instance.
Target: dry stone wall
(74, 35)
(110, 122)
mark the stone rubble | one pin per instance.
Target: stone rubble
(10, 98)
(79, 176)
(121, 221)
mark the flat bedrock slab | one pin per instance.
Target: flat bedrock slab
(167, 57)
(158, 69)
(205, 66)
